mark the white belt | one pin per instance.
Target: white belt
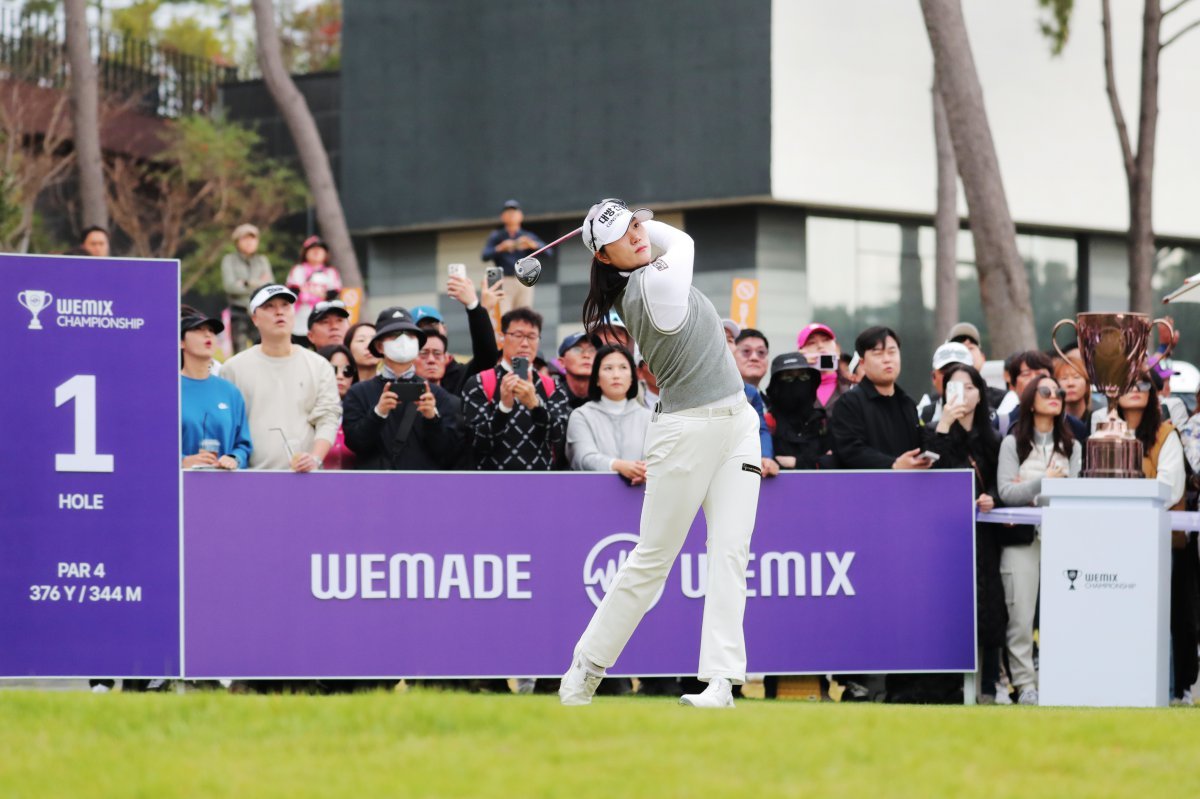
(713, 413)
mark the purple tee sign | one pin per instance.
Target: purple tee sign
(471, 574)
(89, 502)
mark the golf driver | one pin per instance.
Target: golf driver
(529, 269)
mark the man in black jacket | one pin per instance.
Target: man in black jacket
(395, 420)
(875, 424)
(484, 351)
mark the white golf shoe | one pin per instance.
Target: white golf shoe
(579, 683)
(719, 693)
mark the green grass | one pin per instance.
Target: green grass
(420, 744)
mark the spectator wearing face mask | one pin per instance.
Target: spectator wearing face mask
(801, 439)
(396, 420)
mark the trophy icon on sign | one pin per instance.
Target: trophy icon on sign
(34, 302)
(1071, 574)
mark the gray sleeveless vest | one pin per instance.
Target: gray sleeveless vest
(693, 365)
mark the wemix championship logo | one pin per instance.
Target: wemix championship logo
(604, 561)
(89, 313)
(34, 301)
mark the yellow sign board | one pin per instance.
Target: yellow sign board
(743, 303)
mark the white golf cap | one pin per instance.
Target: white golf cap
(267, 292)
(607, 221)
(952, 352)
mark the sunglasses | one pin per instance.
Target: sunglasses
(346, 371)
(1045, 392)
(801, 376)
(1142, 385)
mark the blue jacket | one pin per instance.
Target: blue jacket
(214, 408)
(505, 260)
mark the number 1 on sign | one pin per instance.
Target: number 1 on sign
(82, 389)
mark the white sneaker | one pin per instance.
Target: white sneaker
(1003, 697)
(579, 683)
(100, 689)
(719, 693)
(1029, 696)
(525, 685)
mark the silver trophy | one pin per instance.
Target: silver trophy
(34, 301)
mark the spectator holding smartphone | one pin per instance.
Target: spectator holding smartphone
(396, 420)
(945, 357)
(517, 417)
(1039, 447)
(965, 439)
(484, 351)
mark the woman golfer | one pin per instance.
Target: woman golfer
(702, 449)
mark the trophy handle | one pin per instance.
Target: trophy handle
(1168, 340)
(1053, 332)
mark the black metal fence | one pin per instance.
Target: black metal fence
(160, 81)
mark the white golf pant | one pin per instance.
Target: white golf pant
(1020, 571)
(694, 459)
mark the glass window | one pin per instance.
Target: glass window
(876, 273)
(1174, 265)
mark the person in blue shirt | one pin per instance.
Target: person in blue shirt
(505, 246)
(212, 409)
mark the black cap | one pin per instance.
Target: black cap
(327, 308)
(513, 204)
(192, 322)
(789, 361)
(391, 321)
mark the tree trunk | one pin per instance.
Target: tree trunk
(1141, 182)
(1003, 285)
(85, 114)
(945, 223)
(313, 157)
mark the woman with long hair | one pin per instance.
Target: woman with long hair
(965, 439)
(608, 433)
(1162, 458)
(358, 339)
(1040, 446)
(702, 448)
(345, 372)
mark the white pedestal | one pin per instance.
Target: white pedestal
(1106, 593)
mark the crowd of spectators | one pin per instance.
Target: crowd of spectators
(391, 395)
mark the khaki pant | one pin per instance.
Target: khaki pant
(692, 462)
(1020, 571)
(516, 295)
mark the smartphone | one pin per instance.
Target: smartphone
(494, 275)
(954, 393)
(408, 392)
(827, 362)
(521, 367)
(930, 456)
(457, 270)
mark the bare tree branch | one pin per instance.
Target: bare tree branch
(1175, 7)
(1178, 33)
(1110, 86)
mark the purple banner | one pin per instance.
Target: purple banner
(89, 503)
(470, 574)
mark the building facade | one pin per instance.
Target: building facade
(791, 138)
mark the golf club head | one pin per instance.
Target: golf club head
(528, 270)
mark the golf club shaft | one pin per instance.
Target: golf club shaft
(574, 232)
